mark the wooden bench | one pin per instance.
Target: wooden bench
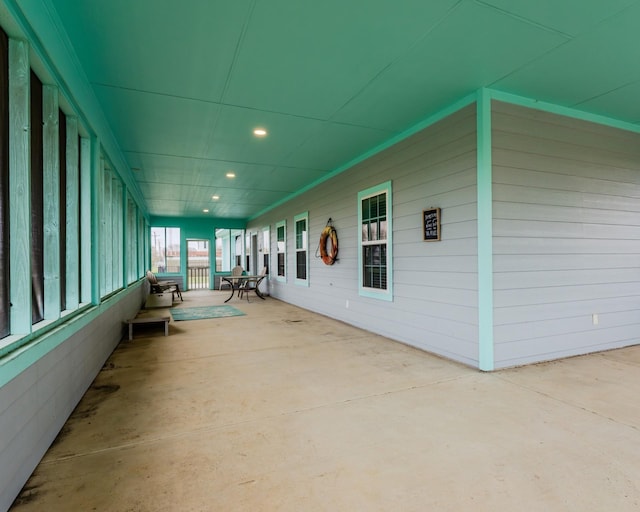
(148, 320)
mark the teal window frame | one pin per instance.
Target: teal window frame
(281, 248)
(157, 251)
(264, 244)
(367, 241)
(302, 246)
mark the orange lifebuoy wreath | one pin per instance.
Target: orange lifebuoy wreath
(329, 233)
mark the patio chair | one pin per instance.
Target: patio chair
(253, 284)
(235, 272)
(163, 286)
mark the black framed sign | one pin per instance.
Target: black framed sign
(431, 224)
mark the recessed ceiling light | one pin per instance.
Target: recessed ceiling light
(231, 175)
(260, 132)
(205, 210)
(215, 198)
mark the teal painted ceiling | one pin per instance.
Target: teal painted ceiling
(183, 84)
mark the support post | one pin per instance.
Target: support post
(51, 189)
(485, 232)
(20, 186)
(73, 212)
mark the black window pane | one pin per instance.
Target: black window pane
(301, 264)
(37, 205)
(382, 205)
(375, 267)
(281, 264)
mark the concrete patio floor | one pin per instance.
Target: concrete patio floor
(286, 410)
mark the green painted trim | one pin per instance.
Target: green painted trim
(370, 292)
(72, 265)
(51, 195)
(485, 232)
(20, 187)
(94, 233)
(86, 222)
(37, 346)
(281, 279)
(127, 247)
(563, 111)
(438, 116)
(301, 216)
(266, 250)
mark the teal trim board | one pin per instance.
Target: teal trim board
(562, 111)
(485, 233)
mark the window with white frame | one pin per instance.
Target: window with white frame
(301, 223)
(281, 248)
(265, 248)
(375, 251)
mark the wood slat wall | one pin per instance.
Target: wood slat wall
(566, 236)
(5, 319)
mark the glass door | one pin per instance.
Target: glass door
(198, 267)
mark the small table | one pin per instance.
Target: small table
(238, 282)
(149, 320)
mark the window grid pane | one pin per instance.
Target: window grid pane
(281, 264)
(301, 264)
(374, 231)
(281, 250)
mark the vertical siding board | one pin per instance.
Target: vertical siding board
(86, 220)
(51, 189)
(108, 262)
(95, 233)
(435, 284)
(20, 186)
(566, 236)
(73, 211)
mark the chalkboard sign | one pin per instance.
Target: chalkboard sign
(431, 224)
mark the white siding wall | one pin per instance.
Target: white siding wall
(435, 283)
(566, 236)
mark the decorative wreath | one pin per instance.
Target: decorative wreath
(329, 233)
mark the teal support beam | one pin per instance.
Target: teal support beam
(72, 263)
(96, 188)
(51, 189)
(86, 222)
(485, 232)
(128, 241)
(118, 247)
(20, 187)
(106, 261)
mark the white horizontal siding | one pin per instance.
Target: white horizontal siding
(566, 236)
(435, 284)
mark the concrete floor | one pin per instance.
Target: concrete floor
(285, 410)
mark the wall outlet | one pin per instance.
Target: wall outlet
(595, 319)
(347, 304)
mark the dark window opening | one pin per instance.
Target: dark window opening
(37, 205)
